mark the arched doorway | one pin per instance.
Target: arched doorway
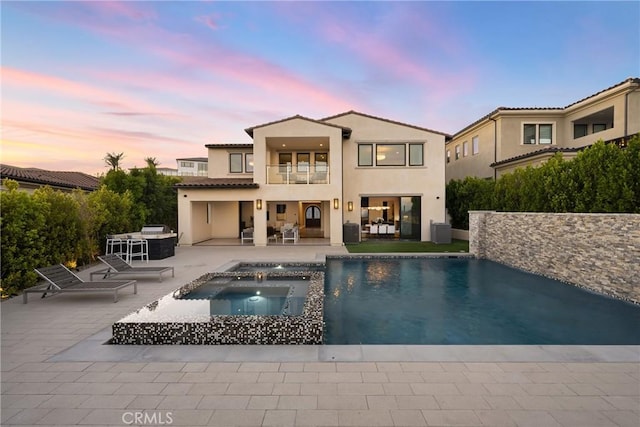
(312, 217)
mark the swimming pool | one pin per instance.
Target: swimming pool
(465, 301)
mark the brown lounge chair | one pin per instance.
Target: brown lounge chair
(62, 280)
(117, 266)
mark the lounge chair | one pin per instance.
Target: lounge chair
(61, 280)
(118, 266)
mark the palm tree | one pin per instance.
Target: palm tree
(152, 163)
(113, 160)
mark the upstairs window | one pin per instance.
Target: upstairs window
(457, 152)
(465, 149)
(416, 154)
(448, 156)
(580, 130)
(248, 162)
(390, 154)
(599, 127)
(475, 145)
(235, 162)
(365, 155)
(537, 133)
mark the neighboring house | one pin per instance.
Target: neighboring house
(319, 175)
(32, 178)
(193, 166)
(508, 138)
(167, 171)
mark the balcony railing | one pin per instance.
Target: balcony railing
(298, 174)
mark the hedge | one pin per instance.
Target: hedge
(601, 178)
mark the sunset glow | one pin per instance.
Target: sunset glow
(162, 79)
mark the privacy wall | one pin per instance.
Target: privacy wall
(600, 252)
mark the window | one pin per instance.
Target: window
(599, 127)
(302, 159)
(284, 160)
(390, 154)
(235, 162)
(365, 155)
(248, 162)
(202, 169)
(545, 134)
(465, 149)
(416, 154)
(579, 130)
(321, 162)
(186, 164)
(537, 133)
(475, 145)
(457, 152)
(529, 134)
(448, 156)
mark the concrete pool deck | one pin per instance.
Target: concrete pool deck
(56, 370)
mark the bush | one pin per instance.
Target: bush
(602, 178)
(51, 227)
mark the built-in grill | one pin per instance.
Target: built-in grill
(155, 229)
(161, 239)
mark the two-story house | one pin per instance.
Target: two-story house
(508, 138)
(319, 175)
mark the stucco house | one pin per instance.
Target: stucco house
(316, 175)
(508, 138)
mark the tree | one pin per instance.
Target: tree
(113, 160)
(152, 162)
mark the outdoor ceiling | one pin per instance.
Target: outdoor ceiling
(292, 143)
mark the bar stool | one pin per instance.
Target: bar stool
(137, 248)
(116, 245)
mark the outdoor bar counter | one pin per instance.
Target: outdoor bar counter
(161, 245)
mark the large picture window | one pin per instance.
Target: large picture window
(365, 155)
(390, 154)
(416, 154)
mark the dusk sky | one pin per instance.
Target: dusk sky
(162, 79)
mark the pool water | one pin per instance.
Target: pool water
(248, 296)
(465, 301)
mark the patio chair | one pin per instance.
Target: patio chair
(246, 234)
(118, 266)
(61, 280)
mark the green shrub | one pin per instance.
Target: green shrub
(602, 178)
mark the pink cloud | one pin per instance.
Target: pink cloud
(210, 21)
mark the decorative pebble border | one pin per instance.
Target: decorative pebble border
(304, 329)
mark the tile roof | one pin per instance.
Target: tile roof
(62, 179)
(385, 120)
(537, 153)
(195, 159)
(204, 182)
(229, 145)
(346, 132)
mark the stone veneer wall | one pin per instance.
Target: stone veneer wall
(600, 252)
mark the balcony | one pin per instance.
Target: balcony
(298, 174)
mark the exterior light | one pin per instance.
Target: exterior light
(259, 204)
(336, 204)
(350, 206)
